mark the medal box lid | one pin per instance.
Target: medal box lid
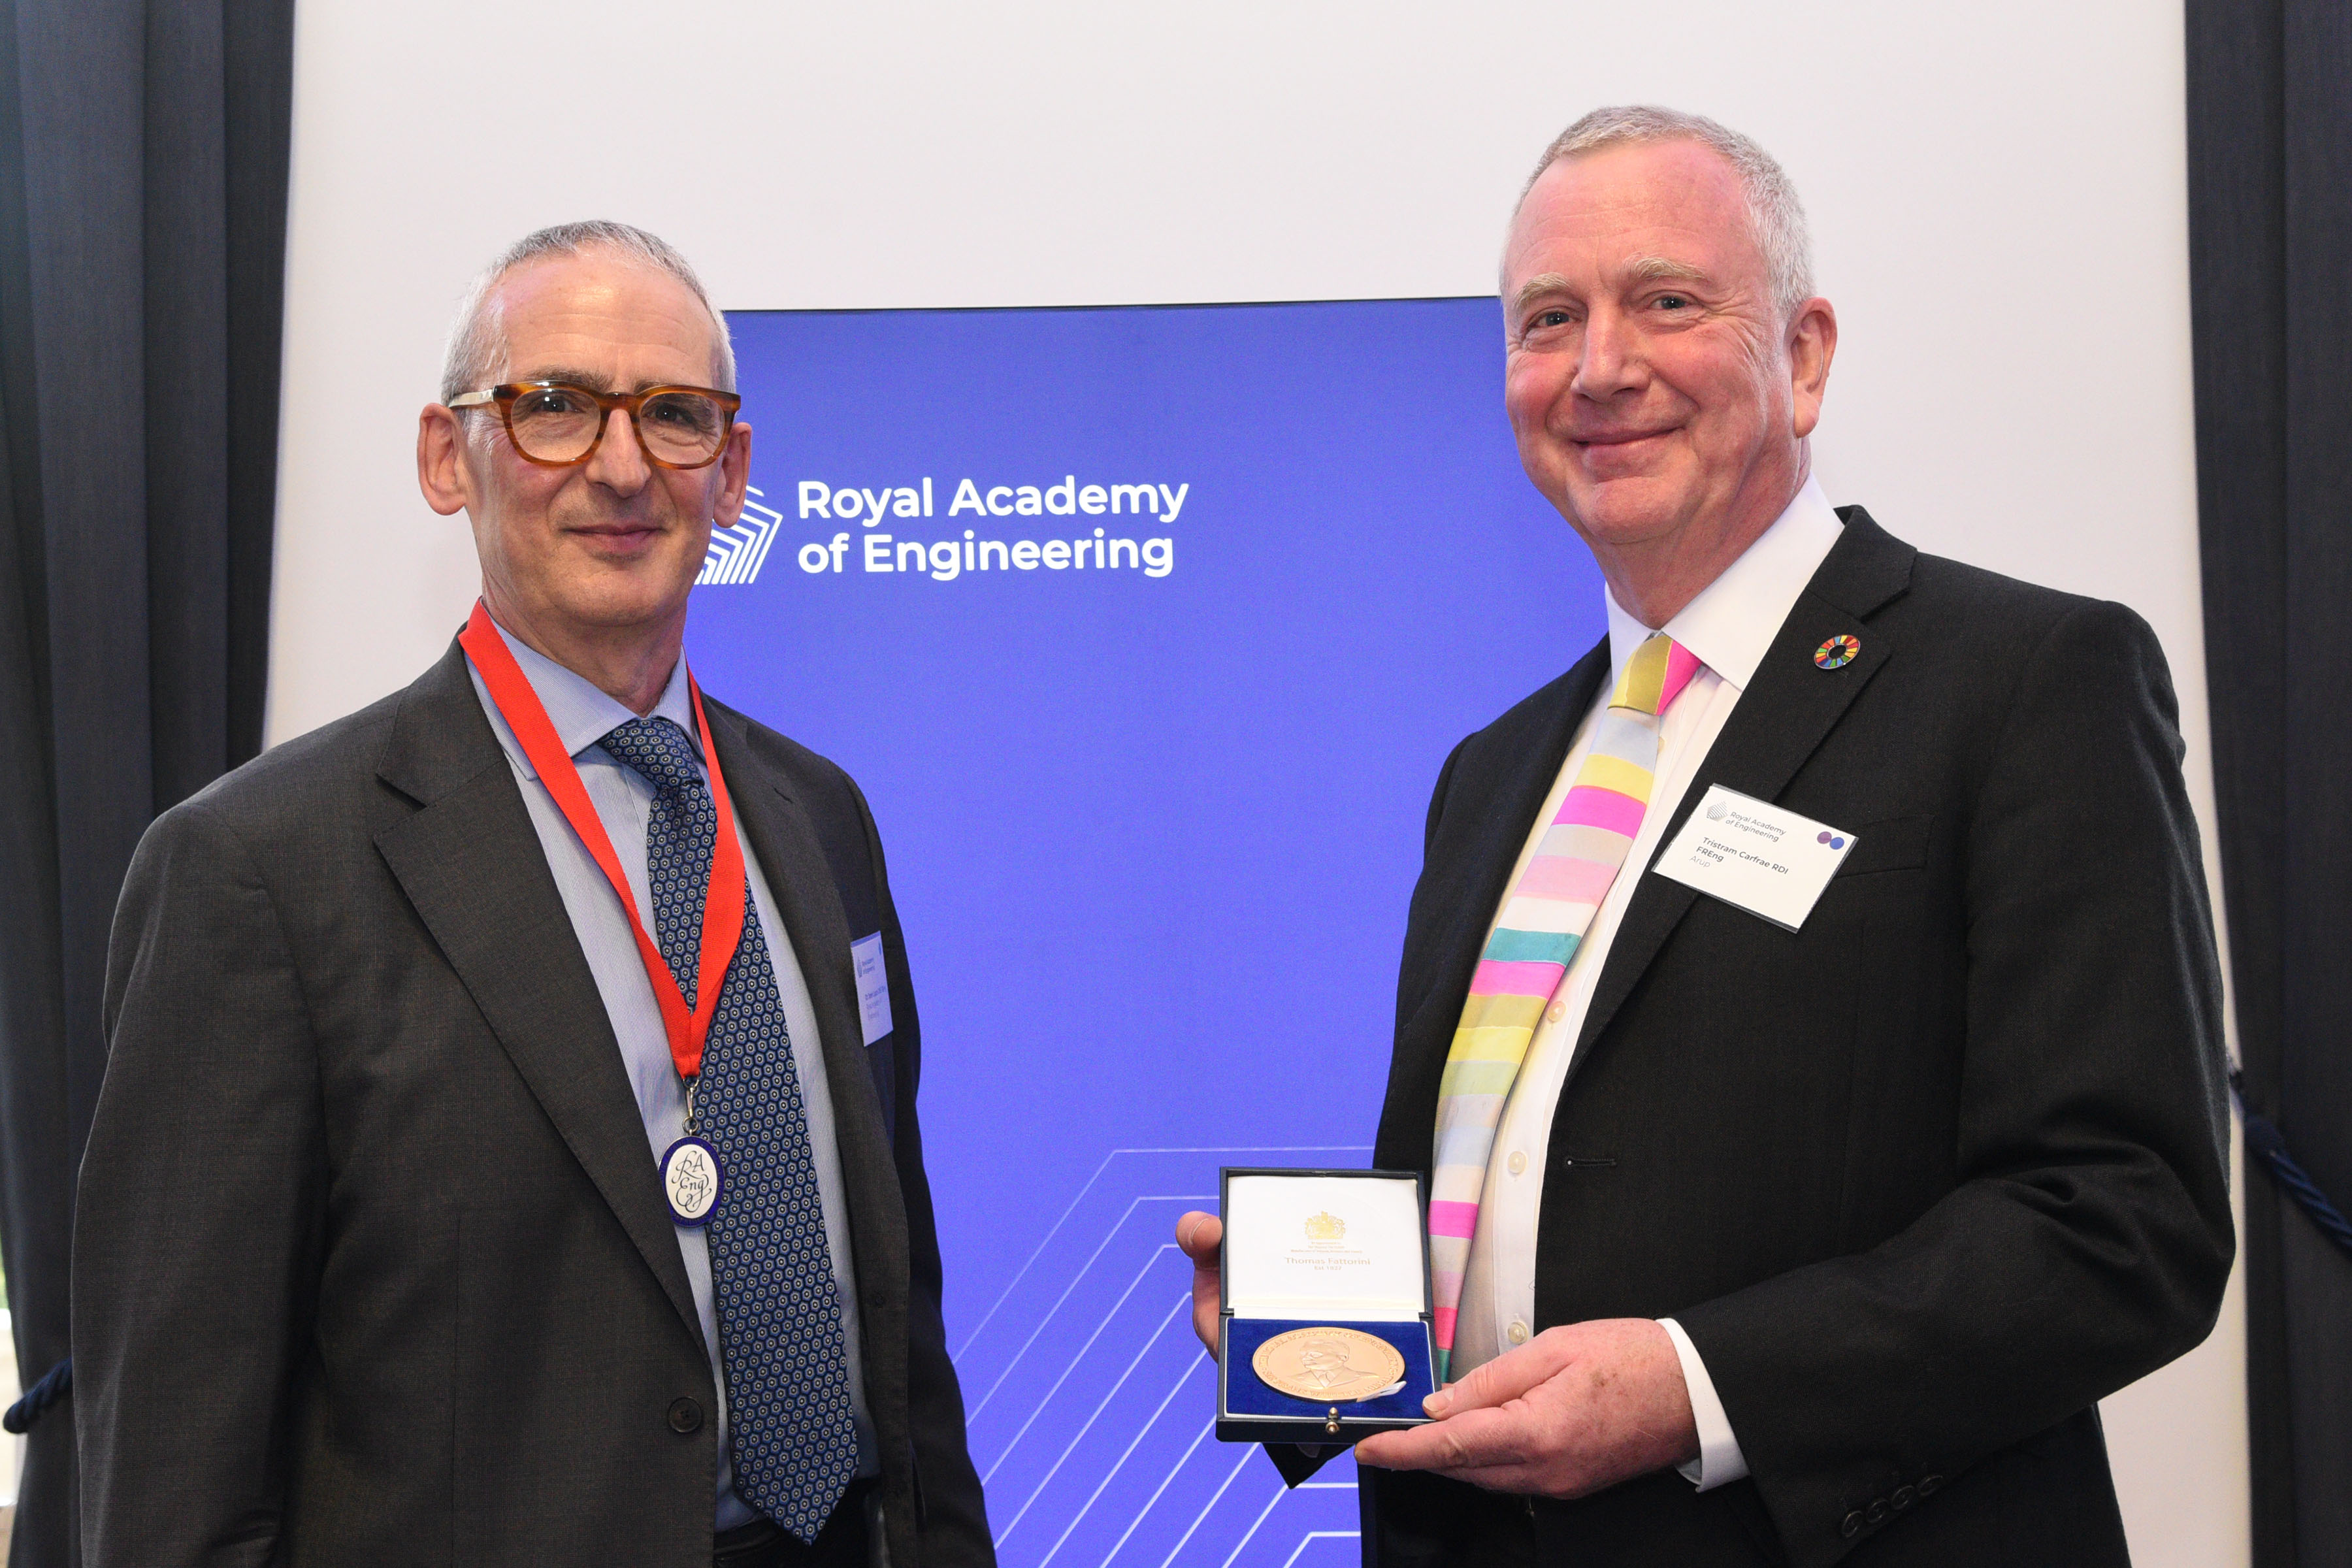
(1331, 1245)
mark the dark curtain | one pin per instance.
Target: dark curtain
(2270, 187)
(143, 238)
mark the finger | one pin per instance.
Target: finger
(1198, 1233)
(1515, 1476)
(1497, 1381)
(1475, 1439)
(1514, 1479)
(1414, 1448)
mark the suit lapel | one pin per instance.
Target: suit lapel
(470, 862)
(792, 856)
(1782, 718)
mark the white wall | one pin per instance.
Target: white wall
(1997, 190)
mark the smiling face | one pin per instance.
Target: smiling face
(608, 549)
(1660, 400)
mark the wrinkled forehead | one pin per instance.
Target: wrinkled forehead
(596, 311)
(1625, 214)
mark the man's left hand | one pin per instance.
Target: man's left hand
(1575, 1409)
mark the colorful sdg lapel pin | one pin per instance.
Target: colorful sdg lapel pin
(1837, 653)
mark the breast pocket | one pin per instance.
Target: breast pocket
(1894, 844)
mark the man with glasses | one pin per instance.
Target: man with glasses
(507, 1152)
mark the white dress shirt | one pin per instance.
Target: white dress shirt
(583, 715)
(1729, 626)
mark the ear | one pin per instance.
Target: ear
(734, 476)
(1812, 343)
(442, 472)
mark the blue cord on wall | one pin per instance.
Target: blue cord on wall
(2263, 1137)
(54, 1384)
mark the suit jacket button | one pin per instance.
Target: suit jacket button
(685, 1415)
(1878, 1512)
(1904, 1497)
(1929, 1485)
(1851, 1527)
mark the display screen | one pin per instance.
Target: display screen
(1146, 632)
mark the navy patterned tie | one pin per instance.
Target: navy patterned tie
(779, 1311)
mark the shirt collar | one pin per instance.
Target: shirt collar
(582, 713)
(1735, 618)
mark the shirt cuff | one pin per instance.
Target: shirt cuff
(1719, 1461)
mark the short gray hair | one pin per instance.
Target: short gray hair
(477, 342)
(1773, 209)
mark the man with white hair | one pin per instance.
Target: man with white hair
(1809, 1019)
(507, 1152)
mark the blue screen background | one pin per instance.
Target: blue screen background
(1152, 839)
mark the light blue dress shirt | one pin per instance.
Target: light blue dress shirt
(583, 715)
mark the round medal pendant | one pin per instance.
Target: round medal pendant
(1329, 1365)
(691, 1181)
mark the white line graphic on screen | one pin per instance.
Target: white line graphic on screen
(737, 554)
(1207, 1508)
(1280, 1493)
(1148, 1502)
(1070, 1448)
(1071, 1364)
(1128, 1453)
(1096, 1262)
(1076, 1280)
(1315, 1535)
(1301, 1149)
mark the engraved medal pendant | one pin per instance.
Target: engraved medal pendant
(691, 1181)
(1329, 1366)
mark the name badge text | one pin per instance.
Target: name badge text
(1755, 856)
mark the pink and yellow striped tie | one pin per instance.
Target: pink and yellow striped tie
(1543, 921)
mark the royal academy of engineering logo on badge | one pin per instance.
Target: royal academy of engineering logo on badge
(737, 554)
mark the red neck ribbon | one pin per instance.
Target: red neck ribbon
(722, 904)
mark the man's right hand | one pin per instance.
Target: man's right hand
(1199, 1235)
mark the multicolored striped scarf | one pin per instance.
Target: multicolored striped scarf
(1543, 922)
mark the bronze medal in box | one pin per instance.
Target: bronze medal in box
(1329, 1365)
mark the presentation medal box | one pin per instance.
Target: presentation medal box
(1325, 1332)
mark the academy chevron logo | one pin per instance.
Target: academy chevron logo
(737, 554)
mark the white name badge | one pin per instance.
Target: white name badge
(873, 986)
(1755, 856)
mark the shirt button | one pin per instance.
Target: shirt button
(1555, 1011)
(1517, 1164)
(685, 1415)
(1519, 1332)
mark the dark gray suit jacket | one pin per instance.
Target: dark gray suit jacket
(370, 1263)
(1923, 1180)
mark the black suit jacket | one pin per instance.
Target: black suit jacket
(1923, 1180)
(371, 1264)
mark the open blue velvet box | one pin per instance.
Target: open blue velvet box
(1321, 1249)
